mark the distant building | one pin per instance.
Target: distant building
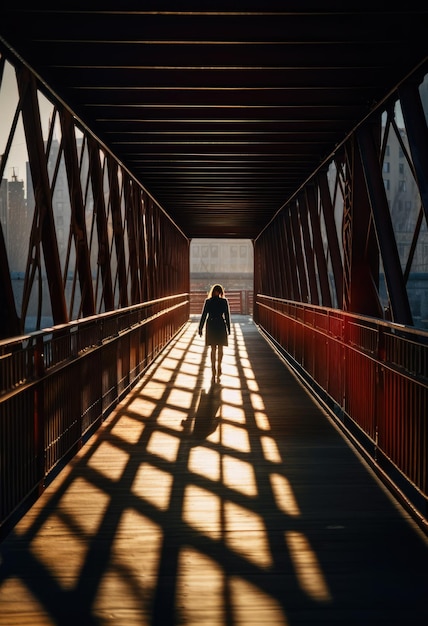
(227, 261)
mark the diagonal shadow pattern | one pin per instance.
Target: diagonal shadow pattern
(226, 504)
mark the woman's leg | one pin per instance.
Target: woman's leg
(213, 355)
(220, 358)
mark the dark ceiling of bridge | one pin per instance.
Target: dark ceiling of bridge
(222, 110)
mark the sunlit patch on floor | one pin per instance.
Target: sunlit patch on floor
(108, 460)
(284, 496)
(201, 511)
(12, 591)
(205, 462)
(163, 445)
(239, 475)
(240, 521)
(252, 606)
(270, 449)
(153, 485)
(128, 429)
(197, 572)
(306, 566)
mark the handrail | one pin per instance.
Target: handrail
(371, 374)
(59, 384)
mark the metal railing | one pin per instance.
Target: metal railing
(59, 384)
(371, 374)
(240, 301)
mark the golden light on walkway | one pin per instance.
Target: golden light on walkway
(205, 462)
(240, 520)
(284, 495)
(109, 460)
(239, 475)
(163, 445)
(270, 449)
(153, 485)
(235, 438)
(252, 606)
(306, 566)
(202, 511)
(197, 572)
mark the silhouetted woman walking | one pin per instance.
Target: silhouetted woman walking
(216, 312)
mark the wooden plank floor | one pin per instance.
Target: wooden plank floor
(238, 504)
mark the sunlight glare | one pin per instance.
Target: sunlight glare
(155, 391)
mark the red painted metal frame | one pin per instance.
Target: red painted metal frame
(371, 374)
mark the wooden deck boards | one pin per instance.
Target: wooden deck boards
(237, 504)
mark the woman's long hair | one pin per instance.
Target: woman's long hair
(216, 289)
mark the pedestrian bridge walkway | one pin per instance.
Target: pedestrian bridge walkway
(225, 505)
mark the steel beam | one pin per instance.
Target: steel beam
(300, 263)
(96, 174)
(309, 251)
(78, 222)
(417, 134)
(318, 246)
(333, 242)
(44, 225)
(118, 231)
(368, 146)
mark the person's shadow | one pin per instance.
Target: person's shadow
(206, 419)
